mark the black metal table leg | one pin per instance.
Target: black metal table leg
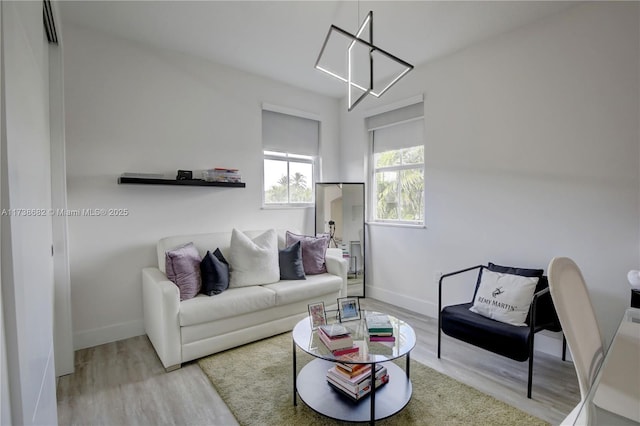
(408, 358)
(295, 390)
(373, 394)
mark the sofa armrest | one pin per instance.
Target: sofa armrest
(161, 303)
(337, 265)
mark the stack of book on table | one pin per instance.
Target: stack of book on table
(380, 328)
(337, 339)
(354, 380)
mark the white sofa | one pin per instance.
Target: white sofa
(183, 331)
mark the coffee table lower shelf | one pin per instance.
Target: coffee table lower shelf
(314, 390)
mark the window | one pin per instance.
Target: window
(397, 178)
(290, 155)
(288, 179)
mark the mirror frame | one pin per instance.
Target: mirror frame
(322, 229)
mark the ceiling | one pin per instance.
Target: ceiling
(282, 39)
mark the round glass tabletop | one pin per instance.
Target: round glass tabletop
(370, 350)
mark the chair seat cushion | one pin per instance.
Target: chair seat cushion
(495, 336)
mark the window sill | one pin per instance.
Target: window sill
(286, 207)
(397, 225)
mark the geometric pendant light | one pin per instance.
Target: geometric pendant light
(353, 60)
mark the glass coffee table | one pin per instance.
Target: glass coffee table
(381, 402)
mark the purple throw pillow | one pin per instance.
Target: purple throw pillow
(183, 268)
(313, 251)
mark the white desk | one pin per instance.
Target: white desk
(614, 397)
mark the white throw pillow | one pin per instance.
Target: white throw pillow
(253, 261)
(504, 297)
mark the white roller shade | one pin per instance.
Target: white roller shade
(399, 115)
(288, 133)
(404, 135)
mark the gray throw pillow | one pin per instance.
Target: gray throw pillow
(183, 268)
(290, 259)
(214, 270)
(313, 251)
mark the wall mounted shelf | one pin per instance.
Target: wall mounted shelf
(122, 180)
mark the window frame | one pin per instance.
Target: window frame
(395, 168)
(289, 157)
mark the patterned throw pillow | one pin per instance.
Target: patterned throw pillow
(313, 251)
(183, 269)
(504, 297)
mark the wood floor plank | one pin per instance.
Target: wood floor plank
(124, 383)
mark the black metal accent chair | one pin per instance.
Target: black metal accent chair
(511, 341)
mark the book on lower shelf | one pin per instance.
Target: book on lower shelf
(358, 386)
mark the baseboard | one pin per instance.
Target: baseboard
(111, 333)
(407, 302)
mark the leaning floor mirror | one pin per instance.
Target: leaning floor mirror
(340, 213)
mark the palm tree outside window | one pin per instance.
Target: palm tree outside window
(288, 179)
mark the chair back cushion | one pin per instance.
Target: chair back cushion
(572, 301)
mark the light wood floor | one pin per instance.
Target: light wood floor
(124, 383)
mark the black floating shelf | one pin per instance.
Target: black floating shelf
(122, 180)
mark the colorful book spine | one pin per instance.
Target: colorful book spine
(340, 352)
(361, 393)
(382, 338)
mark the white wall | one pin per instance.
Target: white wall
(532, 148)
(27, 269)
(130, 108)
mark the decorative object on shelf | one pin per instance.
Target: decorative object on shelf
(317, 315)
(184, 175)
(359, 74)
(634, 279)
(349, 308)
(221, 174)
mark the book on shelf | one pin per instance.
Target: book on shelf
(359, 381)
(380, 338)
(345, 351)
(352, 372)
(335, 330)
(358, 392)
(336, 343)
(378, 323)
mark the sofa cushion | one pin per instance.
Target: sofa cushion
(214, 270)
(290, 259)
(313, 251)
(233, 302)
(183, 269)
(314, 286)
(253, 261)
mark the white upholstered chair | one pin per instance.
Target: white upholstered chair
(575, 311)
